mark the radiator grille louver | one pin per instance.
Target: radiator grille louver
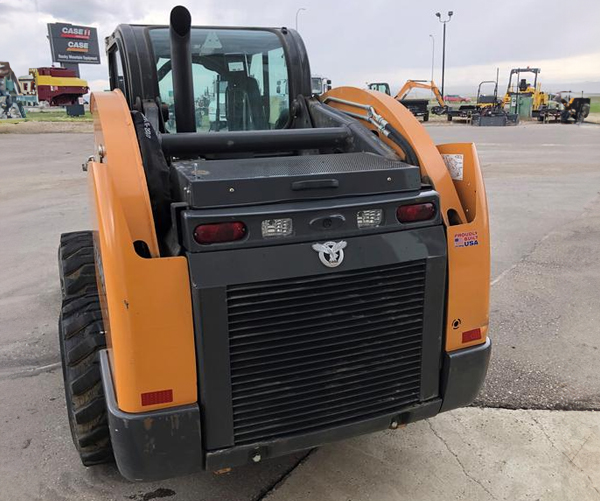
(314, 352)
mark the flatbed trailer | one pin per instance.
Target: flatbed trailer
(463, 112)
(418, 107)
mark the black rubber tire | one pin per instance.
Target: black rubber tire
(76, 264)
(81, 337)
(426, 117)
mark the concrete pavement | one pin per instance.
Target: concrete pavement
(38, 460)
(543, 184)
(43, 193)
(468, 454)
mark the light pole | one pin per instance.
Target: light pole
(432, 58)
(298, 12)
(439, 16)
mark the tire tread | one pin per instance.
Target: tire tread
(82, 336)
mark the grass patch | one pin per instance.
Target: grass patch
(595, 104)
(49, 116)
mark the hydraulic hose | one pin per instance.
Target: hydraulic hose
(384, 126)
(405, 146)
(410, 156)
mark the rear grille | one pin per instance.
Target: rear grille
(315, 352)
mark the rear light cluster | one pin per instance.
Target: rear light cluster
(415, 213)
(218, 233)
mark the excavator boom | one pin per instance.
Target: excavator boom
(421, 84)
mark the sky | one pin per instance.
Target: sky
(356, 41)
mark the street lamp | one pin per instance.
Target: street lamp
(432, 58)
(298, 12)
(439, 16)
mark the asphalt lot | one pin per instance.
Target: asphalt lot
(543, 185)
(543, 188)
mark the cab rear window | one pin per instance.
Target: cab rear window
(240, 79)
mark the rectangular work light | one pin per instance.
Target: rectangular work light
(370, 218)
(276, 227)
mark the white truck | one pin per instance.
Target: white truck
(319, 85)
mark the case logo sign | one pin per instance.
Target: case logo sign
(74, 32)
(331, 254)
(466, 239)
(78, 46)
(73, 44)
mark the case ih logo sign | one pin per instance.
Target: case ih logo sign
(73, 44)
(73, 32)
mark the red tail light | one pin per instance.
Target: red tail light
(217, 233)
(415, 213)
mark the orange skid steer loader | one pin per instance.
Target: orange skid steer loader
(283, 272)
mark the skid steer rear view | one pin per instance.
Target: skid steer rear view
(269, 270)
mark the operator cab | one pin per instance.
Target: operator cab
(487, 98)
(227, 124)
(241, 77)
(219, 98)
(522, 86)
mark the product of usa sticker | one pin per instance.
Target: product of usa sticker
(455, 165)
(466, 239)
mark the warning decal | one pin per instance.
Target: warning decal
(466, 239)
(211, 44)
(454, 163)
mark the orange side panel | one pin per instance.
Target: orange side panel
(146, 301)
(468, 254)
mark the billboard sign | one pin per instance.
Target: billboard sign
(73, 44)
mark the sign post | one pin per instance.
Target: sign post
(73, 45)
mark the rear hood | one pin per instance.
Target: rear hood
(253, 181)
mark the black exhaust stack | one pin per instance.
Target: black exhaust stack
(181, 66)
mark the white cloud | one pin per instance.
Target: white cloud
(98, 85)
(352, 43)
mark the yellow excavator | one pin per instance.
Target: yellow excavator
(311, 269)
